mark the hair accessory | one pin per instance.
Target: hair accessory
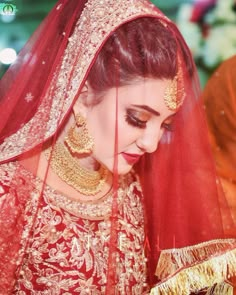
(79, 142)
(86, 182)
(174, 93)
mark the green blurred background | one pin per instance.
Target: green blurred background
(19, 19)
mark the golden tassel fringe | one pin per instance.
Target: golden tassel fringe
(215, 268)
(221, 289)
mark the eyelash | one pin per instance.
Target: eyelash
(167, 126)
(133, 121)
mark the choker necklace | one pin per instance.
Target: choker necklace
(85, 181)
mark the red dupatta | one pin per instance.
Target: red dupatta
(186, 214)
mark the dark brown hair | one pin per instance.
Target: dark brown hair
(144, 47)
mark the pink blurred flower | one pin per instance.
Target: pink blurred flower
(200, 7)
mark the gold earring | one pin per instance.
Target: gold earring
(79, 142)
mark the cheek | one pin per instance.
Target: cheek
(128, 135)
(102, 125)
(160, 134)
(101, 128)
(104, 136)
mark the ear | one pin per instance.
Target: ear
(80, 105)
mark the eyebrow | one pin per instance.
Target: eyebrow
(147, 108)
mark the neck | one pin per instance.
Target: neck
(47, 174)
(88, 162)
(69, 169)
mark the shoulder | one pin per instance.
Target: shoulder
(15, 180)
(7, 172)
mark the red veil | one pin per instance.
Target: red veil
(190, 236)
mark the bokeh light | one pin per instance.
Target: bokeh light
(7, 56)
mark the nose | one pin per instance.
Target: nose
(148, 141)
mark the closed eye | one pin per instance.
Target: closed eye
(167, 126)
(134, 121)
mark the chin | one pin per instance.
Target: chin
(121, 170)
(124, 169)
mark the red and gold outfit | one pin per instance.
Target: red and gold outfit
(66, 252)
(52, 244)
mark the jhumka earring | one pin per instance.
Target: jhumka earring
(67, 166)
(79, 141)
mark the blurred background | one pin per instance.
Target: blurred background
(209, 28)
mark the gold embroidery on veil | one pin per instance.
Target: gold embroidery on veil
(93, 27)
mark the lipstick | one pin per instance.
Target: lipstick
(131, 158)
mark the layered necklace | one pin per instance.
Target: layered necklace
(85, 181)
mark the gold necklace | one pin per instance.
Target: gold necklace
(86, 182)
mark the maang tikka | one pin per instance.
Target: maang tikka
(174, 93)
(79, 141)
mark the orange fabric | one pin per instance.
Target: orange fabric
(219, 97)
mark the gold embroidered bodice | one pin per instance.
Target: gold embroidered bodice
(67, 249)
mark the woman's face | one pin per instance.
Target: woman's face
(142, 117)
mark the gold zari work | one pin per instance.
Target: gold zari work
(67, 252)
